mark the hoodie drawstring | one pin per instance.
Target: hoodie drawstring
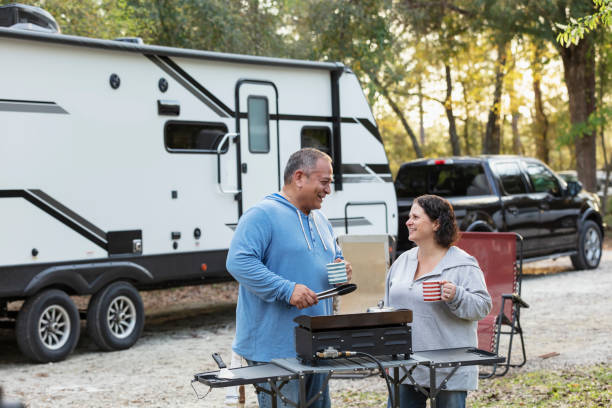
(304, 231)
(318, 232)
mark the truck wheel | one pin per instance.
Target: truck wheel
(48, 326)
(115, 316)
(589, 247)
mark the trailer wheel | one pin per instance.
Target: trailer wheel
(48, 326)
(589, 247)
(115, 316)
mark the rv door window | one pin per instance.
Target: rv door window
(317, 137)
(194, 137)
(259, 129)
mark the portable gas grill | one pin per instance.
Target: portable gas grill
(378, 334)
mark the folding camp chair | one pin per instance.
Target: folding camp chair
(496, 253)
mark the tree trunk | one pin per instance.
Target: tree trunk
(540, 123)
(602, 84)
(579, 71)
(385, 93)
(492, 139)
(466, 127)
(421, 114)
(517, 148)
(448, 107)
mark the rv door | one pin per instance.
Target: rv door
(257, 123)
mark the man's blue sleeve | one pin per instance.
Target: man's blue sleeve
(246, 254)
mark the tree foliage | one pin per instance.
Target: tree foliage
(443, 77)
(575, 30)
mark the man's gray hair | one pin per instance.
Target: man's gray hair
(304, 159)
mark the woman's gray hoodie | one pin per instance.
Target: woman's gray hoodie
(441, 325)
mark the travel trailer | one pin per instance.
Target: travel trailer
(126, 167)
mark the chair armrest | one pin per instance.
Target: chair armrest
(515, 299)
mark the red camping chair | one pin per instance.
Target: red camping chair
(496, 253)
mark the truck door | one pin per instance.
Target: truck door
(521, 209)
(558, 213)
(257, 123)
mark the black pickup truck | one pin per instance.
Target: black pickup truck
(510, 194)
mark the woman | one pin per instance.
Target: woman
(447, 323)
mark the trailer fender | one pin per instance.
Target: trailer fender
(85, 279)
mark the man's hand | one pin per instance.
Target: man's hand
(302, 297)
(349, 268)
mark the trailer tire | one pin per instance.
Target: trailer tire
(48, 326)
(589, 247)
(115, 316)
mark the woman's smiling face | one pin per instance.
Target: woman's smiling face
(420, 227)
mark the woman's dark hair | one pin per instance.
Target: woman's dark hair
(439, 209)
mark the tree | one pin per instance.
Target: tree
(540, 122)
(576, 29)
(360, 35)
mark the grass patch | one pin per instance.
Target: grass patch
(579, 387)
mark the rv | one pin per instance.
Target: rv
(126, 167)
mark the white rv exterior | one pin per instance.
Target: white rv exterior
(113, 166)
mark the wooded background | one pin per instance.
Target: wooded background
(444, 78)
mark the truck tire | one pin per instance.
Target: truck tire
(48, 326)
(115, 316)
(589, 247)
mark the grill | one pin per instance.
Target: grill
(378, 334)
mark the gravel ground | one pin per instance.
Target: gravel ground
(569, 315)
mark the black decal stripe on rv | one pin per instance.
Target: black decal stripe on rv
(306, 118)
(353, 168)
(188, 86)
(197, 85)
(382, 168)
(371, 128)
(58, 215)
(16, 105)
(56, 204)
(302, 118)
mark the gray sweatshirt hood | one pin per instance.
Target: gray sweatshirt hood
(313, 216)
(455, 257)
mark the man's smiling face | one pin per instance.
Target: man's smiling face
(315, 186)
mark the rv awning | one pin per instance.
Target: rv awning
(166, 51)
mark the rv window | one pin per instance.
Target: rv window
(194, 137)
(317, 137)
(259, 131)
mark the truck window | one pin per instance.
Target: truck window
(317, 137)
(542, 179)
(510, 176)
(259, 129)
(446, 180)
(194, 137)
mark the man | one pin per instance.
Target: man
(278, 255)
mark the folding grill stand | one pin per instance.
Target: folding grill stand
(279, 371)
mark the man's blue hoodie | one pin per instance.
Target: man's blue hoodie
(274, 247)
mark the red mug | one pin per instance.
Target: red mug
(432, 291)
